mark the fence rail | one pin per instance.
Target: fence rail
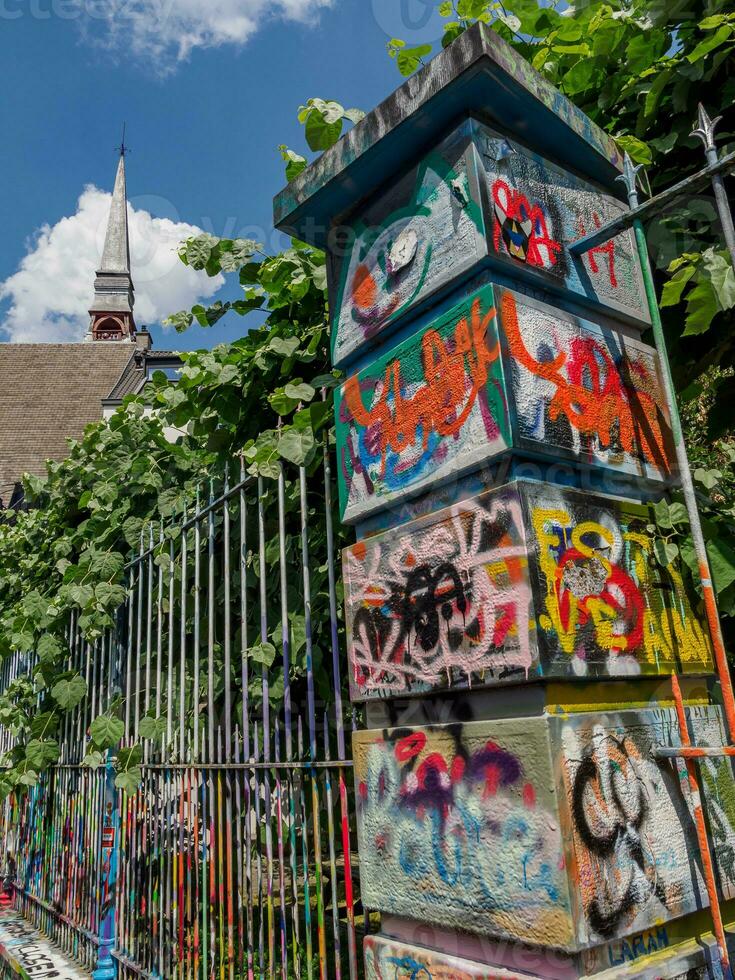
(235, 853)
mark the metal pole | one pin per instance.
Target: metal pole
(629, 177)
(705, 131)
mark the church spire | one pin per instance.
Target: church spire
(112, 307)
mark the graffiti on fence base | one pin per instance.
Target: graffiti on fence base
(457, 826)
(442, 602)
(634, 947)
(539, 210)
(432, 408)
(636, 862)
(604, 605)
(22, 946)
(593, 394)
(387, 959)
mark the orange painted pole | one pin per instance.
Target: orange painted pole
(704, 848)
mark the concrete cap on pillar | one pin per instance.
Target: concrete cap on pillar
(480, 74)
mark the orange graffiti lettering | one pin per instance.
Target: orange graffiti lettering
(455, 372)
(592, 394)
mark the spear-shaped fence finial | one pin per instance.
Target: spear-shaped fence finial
(705, 130)
(629, 177)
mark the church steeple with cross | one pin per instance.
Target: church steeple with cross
(111, 312)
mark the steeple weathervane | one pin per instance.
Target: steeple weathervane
(122, 149)
(112, 307)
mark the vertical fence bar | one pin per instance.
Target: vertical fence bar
(266, 733)
(705, 131)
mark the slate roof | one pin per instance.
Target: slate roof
(49, 393)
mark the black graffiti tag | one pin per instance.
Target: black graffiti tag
(609, 809)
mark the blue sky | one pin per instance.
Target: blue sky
(208, 88)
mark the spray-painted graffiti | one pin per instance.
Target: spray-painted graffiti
(718, 786)
(521, 228)
(387, 959)
(539, 210)
(604, 605)
(31, 954)
(437, 405)
(430, 409)
(595, 395)
(526, 580)
(457, 826)
(421, 233)
(636, 862)
(442, 602)
(634, 947)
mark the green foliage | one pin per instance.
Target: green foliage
(106, 732)
(707, 281)
(261, 396)
(295, 163)
(69, 693)
(718, 518)
(408, 59)
(324, 122)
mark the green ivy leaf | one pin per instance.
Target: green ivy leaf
(296, 445)
(300, 392)
(295, 163)
(152, 728)
(409, 59)
(638, 150)
(48, 648)
(674, 288)
(722, 564)
(665, 551)
(702, 307)
(662, 515)
(106, 732)
(716, 40)
(69, 693)
(324, 122)
(44, 725)
(718, 268)
(129, 780)
(708, 478)
(262, 653)
(41, 753)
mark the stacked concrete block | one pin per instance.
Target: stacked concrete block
(511, 617)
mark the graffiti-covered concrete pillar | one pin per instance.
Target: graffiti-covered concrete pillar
(513, 616)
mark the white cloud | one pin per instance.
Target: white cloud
(166, 31)
(47, 299)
